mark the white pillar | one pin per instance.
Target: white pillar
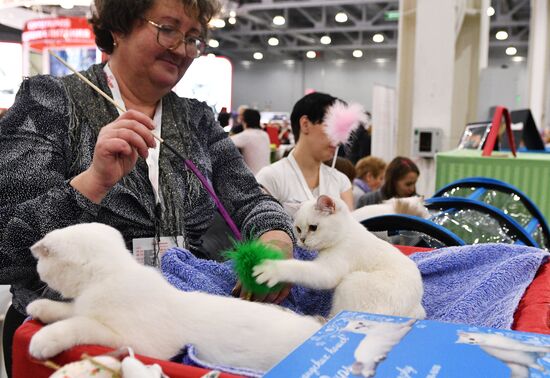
(539, 60)
(438, 77)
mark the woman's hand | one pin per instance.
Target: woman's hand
(279, 240)
(116, 151)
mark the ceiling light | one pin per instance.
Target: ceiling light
(213, 43)
(357, 53)
(246, 63)
(233, 14)
(501, 35)
(490, 11)
(311, 54)
(232, 20)
(325, 40)
(279, 20)
(211, 55)
(381, 60)
(378, 38)
(66, 4)
(518, 58)
(273, 41)
(217, 23)
(289, 62)
(511, 50)
(341, 17)
(258, 56)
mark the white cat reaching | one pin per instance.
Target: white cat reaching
(380, 338)
(517, 355)
(367, 273)
(119, 302)
(407, 205)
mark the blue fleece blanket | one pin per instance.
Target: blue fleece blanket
(476, 284)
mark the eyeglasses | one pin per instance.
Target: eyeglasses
(171, 38)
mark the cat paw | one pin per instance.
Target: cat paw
(267, 273)
(40, 309)
(45, 344)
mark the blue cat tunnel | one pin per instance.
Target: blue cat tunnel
(477, 222)
(509, 199)
(411, 230)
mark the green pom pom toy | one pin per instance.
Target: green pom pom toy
(245, 256)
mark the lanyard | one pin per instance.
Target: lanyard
(301, 178)
(153, 157)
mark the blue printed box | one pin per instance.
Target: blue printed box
(365, 345)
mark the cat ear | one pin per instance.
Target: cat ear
(325, 204)
(39, 250)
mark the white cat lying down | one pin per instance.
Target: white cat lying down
(118, 302)
(407, 205)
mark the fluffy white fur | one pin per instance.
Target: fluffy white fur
(367, 273)
(406, 205)
(380, 338)
(517, 355)
(118, 302)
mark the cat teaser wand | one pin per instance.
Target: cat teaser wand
(188, 163)
(341, 120)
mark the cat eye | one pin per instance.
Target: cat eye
(313, 228)
(298, 229)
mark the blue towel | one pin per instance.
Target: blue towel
(189, 273)
(477, 284)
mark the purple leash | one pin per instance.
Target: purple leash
(210, 191)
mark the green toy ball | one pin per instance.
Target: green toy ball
(245, 256)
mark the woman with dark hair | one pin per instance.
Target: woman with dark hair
(302, 175)
(399, 181)
(69, 156)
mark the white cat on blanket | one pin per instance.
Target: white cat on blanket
(406, 205)
(367, 273)
(517, 355)
(119, 302)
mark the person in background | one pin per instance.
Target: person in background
(238, 124)
(370, 172)
(253, 142)
(360, 141)
(223, 117)
(69, 156)
(302, 175)
(399, 181)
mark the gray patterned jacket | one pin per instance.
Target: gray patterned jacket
(48, 137)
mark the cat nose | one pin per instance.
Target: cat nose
(303, 239)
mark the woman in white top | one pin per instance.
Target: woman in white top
(302, 175)
(253, 142)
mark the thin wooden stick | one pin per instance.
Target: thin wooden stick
(96, 88)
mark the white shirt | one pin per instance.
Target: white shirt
(284, 181)
(255, 148)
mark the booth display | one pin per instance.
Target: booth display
(529, 172)
(70, 37)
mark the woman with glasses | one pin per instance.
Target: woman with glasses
(69, 156)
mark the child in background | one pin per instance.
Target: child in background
(399, 181)
(369, 172)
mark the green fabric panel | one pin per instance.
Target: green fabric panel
(529, 172)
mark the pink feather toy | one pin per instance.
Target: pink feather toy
(341, 120)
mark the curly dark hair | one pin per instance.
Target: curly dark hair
(119, 16)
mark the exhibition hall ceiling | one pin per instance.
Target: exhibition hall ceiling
(329, 29)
